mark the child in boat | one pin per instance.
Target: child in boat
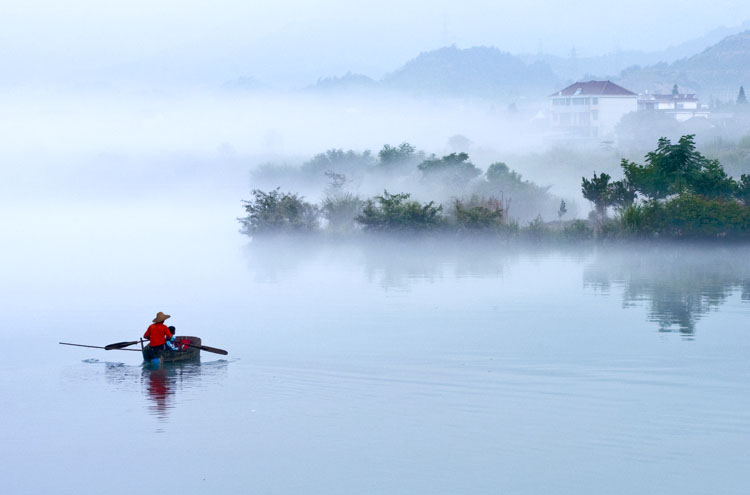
(158, 333)
(170, 342)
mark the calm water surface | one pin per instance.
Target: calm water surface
(381, 367)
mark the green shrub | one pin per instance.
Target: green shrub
(478, 213)
(537, 230)
(454, 168)
(524, 196)
(577, 230)
(341, 210)
(689, 216)
(396, 156)
(394, 212)
(337, 160)
(743, 189)
(273, 212)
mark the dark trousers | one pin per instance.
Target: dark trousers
(157, 349)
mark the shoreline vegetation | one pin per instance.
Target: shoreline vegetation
(677, 194)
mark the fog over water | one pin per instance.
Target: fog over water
(357, 364)
(376, 366)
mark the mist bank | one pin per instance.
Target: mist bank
(250, 122)
(97, 142)
(131, 143)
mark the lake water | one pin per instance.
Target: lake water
(371, 367)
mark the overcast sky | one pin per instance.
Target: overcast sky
(95, 38)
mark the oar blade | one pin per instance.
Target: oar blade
(214, 350)
(119, 345)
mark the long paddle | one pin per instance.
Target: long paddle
(120, 345)
(207, 349)
(95, 346)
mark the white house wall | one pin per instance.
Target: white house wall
(612, 109)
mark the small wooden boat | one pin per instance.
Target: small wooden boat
(188, 348)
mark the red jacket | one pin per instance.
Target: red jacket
(158, 333)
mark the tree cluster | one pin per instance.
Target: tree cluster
(683, 194)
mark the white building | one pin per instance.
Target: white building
(680, 106)
(590, 109)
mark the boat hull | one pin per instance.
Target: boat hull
(167, 355)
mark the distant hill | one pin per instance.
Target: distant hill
(348, 82)
(719, 70)
(576, 67)
(478, 72)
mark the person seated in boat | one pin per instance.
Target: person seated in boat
(170, 343)
(158, 333)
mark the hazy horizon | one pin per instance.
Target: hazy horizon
(291, 43)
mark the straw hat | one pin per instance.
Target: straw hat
(160, 317)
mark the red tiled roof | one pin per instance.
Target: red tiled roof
(594, 88)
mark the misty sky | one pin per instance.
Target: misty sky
(213, 41)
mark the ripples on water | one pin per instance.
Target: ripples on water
(402, 368)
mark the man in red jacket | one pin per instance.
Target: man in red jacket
(158, 333)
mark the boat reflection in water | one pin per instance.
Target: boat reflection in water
(164, 383)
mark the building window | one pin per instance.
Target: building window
(595, 100)
(595, 115)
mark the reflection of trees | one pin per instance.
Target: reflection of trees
(391, 261)
(396, 262)
(681, 285)
(274, 257)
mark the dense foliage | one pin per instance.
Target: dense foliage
(403, 154)
(454, 168)
(684, 195)
(395, 212)
(677, 192)
(341, 210)
(478, 213)
(678, 169)
(688, 216)
(337, 160)
(273, 212)
(405, 168)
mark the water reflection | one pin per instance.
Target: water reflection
(163, 384)
(680, 285)
(160, 384)
(396, 263)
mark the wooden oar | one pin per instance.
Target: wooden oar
(95, 346)
(207, 349)
(120, 345)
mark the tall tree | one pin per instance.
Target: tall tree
(675, 169)
(668, 170)
(741, 100)
(597, 190)
(455, 167)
